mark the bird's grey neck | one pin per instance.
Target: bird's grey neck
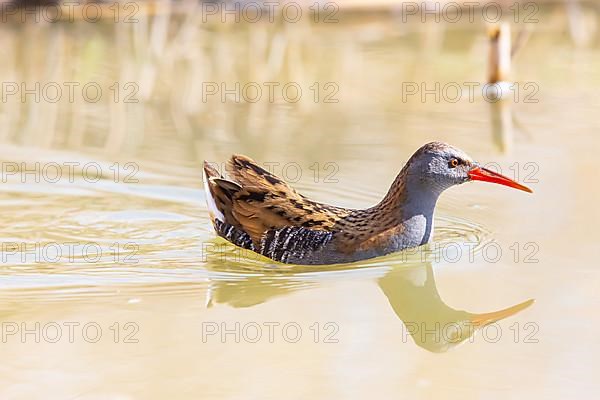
(417, 215)
(415, 206)
(420, 196)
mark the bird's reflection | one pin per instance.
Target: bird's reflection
(410, 289)
(432, 324)
(251, 291)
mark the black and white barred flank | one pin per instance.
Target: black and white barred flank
(234, 235)
(278, 244)
(292, 242)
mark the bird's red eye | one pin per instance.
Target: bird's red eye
(454, 163)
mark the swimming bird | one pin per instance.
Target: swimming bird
(258, 211)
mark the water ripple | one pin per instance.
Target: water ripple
(158, 238)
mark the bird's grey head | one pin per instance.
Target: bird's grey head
(437, 166)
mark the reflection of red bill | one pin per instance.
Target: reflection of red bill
(480, 320)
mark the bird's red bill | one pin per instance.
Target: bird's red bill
(486, 175)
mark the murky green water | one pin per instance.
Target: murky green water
(114, 286)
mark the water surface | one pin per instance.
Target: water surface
(122, 241)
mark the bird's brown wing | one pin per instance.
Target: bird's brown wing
(247, 172)
(258, 201)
